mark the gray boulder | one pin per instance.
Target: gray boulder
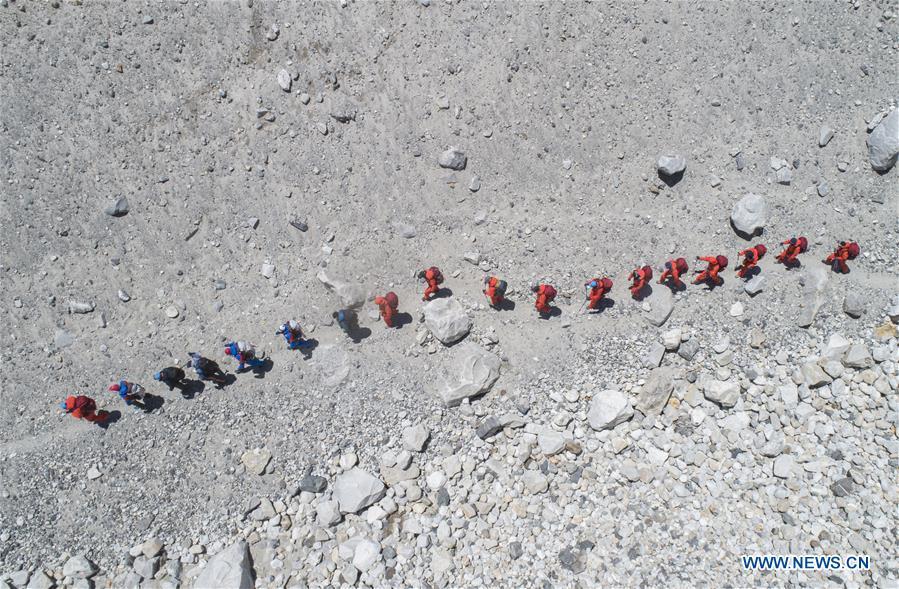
(755, 285)
(661, 304)
(229, 569)
(854, 305)
(749, 215)
(475, 372)
(724, 393)
(356, 489)
(656, 391)
(609, 409)
(447, 320)
(813, 279)
(351, 294)
(883, 143)
(452, 159)
(670, 165)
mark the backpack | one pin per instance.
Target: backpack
(682, 267)
(549, 291)
(436, 275)
(853, 250)
(760, 251)
(722, 261)
(392, 300)
(606, 284)
(501, 287)
(647, 272)
(83, 403)
(803, 244)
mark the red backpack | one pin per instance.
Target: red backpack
(549, 291)
(393, 301)
(760, 251)
(647, 272)
(853, 250)
(682, 267)
(436, 275)
(722, 261)
(803, 244)
(607, 284)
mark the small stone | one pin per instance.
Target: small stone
(256, 460)
(79, 567)
(883, 143)
(671, 165)
(311, 483)
(452, 159)
(535, 482)
(475, 184)
(267, 270)
(123, 296)
(825, 134)
(783, 466)
(608, 409)
(854, 305)
(415, 437)
(671, 339)
(749, 215)
(489, 427)
(284, 80)
(118, 208)
(151, 547)
(724, 393)
(356, 489)
(823, 188)
(736, 310)
(93, 473)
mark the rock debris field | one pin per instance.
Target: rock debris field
(184, 173)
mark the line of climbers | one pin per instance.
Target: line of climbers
(244, 353)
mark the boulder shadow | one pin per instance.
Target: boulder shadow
(401, 319)
(672, 179)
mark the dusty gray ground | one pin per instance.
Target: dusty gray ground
(561, 108)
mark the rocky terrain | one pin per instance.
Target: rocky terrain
(180, 174)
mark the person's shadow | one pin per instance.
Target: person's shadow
(152, 402)
(306, 350)
(263, 369)
(751, 273)
(357, 334)
(191, 388)
(553, 312)
(505, 305)
(443, 293)
(644, 292)
(401, 319)
(604, 303)
(113, 417)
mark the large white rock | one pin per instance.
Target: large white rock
(415, 437)
(608, 409)
(836, 346)
(858, 356)
(351, 294)
(447, 320)
(475, 371)
(356, 489)
(661, 304)
(883, 143)
(725, 393)
(79, 567)
(749, 215)
(229, 569)
(367, 553)
(813, 279)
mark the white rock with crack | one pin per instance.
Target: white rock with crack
(609, 409)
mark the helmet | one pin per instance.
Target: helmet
(228, 351)
(535, 287)
(63, 406)
(114, 387)
(157, 375)
(668, 265)
(293, 324)
(593, 284)
(792, 241)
